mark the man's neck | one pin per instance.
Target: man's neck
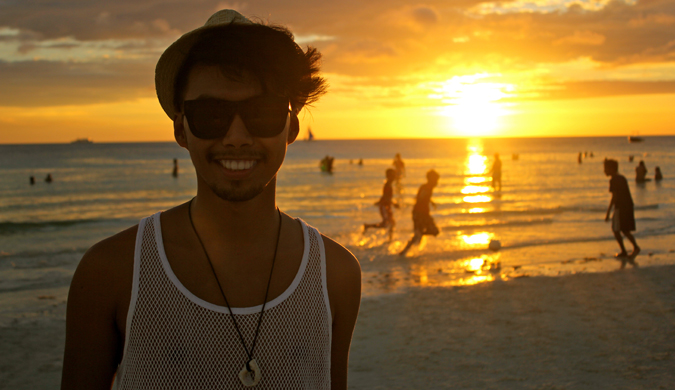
(235, 222)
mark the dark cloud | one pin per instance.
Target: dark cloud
(424, 15)
(372, 40)
(593, 89)
(45, 83)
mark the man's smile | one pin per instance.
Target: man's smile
(237, 165)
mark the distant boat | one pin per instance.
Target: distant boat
(633, 139)
(310, 135)
(82, 141)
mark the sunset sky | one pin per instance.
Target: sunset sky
(397, 69)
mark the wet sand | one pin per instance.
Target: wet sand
(611, 330)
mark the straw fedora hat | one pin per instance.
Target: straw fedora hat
(173, 57)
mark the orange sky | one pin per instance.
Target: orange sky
(396, 68)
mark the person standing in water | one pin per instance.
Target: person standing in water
(496, 173)
(641, 172)
(399, 167)
(174, 173)
(385, 203)
(422, 220)
(623, 219)
(658, 176)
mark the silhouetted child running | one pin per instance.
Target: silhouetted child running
(422, 220)
(623, 219)
(385, 203)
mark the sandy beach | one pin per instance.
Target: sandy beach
(610, 330)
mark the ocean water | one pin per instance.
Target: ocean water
(549, 213)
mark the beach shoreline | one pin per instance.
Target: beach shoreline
(582, 331)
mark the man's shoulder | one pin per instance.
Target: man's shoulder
(110, 258)
(340, 261)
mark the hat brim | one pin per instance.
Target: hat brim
(173, 58)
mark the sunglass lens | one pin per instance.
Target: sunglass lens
(265, 116)
(208, 118)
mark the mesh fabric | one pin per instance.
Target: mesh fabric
(173, 342)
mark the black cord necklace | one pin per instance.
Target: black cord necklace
(250, 375)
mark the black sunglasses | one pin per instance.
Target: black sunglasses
(264, 116)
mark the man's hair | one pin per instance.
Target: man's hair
(611, 165)
(433, 175)
(268, 52)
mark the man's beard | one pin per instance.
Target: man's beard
(238, 193)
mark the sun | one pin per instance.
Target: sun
(473, 105)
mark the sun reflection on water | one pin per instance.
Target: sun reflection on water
(481, 239)
(477, 199)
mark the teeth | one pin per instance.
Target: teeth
(237, 165)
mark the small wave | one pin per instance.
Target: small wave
(502, 213)
(498, 224)
(33, 254)
(640, 234)
(18, 227)
(598, 209)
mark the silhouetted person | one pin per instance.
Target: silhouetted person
(641, 172)
(175, 168)
(623, 219)
(327, 164)
(579, 158)
(399, 167)
(496, 173)
(32, 180)
(657, 174)
(360, 161)
(48, 179)
(631, 158)
(385, 203)
(423, 222)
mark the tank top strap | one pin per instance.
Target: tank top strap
(317, 259)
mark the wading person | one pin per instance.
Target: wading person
(224, 291)
(623, 219)
(423, 222)
(496, 172)
(385, 203)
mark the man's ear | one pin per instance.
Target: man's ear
(293, 129)
(179, 130)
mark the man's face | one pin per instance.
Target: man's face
(238, 166)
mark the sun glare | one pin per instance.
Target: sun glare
(473, 105)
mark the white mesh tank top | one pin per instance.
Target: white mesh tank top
(174, 340)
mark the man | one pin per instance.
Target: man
(423, 222)
(623, 219)
(224, 291)
(496, 173)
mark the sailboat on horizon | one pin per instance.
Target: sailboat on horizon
(310, 135)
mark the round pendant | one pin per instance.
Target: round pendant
(250, 378)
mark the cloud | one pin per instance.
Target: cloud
(581, 38)
(46, 83)
(385, 41)
(652, 19)
(594, 89)
(424, 15)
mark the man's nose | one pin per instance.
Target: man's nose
(238, 134)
